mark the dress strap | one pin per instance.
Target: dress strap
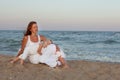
(39, 38)
(28, 38)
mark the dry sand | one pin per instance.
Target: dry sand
(80, 70)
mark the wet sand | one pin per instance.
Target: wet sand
(80, 70)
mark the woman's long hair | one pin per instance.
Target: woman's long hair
(28, 32)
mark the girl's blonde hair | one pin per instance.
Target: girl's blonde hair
(47, 42)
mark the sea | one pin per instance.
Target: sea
(101, 46)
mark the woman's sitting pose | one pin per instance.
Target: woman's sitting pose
(38, 49)
(30, 44)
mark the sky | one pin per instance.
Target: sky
(68, 15)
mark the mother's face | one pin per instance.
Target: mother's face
(34, 28)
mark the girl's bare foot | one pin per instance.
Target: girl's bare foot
(66, 66)
(21, 62)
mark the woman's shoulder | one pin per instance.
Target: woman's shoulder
(25, 37)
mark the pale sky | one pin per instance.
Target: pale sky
(80, 15)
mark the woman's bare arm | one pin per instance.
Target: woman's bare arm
(40, 48)
(42, 38)
(24, 42)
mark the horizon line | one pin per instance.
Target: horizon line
(64, 30)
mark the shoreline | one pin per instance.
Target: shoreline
(73, 59)
(80, 70)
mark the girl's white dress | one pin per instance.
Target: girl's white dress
(50, 56)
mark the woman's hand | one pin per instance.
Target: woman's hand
(39, 49)
(39, 52)
(42, 38)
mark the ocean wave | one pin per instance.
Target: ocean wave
(97, 42)
(110, 41)
(77, 45)
(117, 33)
(94, 57)
(9, 40)
(9, 44)
(105, 42)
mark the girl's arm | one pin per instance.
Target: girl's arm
(43, 38)
(24, 42)
(57, 48)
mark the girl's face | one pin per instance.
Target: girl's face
(45, 44)
(34, 28)
(49, 42)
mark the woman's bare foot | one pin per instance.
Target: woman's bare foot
(12, 62)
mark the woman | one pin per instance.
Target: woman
(30, 44)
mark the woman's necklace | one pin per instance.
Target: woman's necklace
(34, 38)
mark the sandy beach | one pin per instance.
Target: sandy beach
(80, 70)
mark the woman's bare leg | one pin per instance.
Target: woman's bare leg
(15, 60)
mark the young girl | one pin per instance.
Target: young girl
(52, 55)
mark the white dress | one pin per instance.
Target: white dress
(30, 51)
(50, 56)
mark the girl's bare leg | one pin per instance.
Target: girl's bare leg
(21, 62)
(62, 60)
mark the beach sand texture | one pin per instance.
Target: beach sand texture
(80, 70)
